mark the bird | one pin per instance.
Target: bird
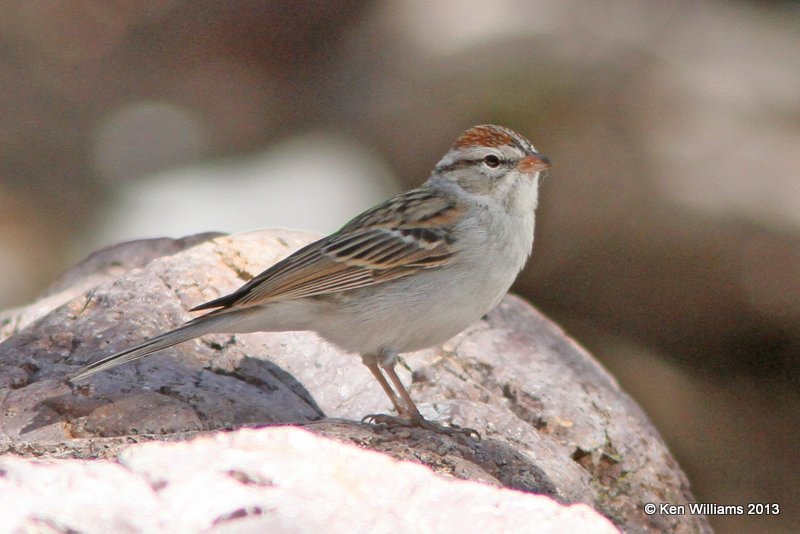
(405, 275)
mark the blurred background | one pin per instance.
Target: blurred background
(668, 236)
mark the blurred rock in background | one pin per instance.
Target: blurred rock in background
(668, 238)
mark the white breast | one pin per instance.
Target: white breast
(432, 306)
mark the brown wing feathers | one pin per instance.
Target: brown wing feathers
(407, 233)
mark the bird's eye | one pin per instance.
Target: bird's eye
(491, 161)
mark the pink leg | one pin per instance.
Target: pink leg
(376, 372)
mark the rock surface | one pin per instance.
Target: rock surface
(553, 421)
(269, 480)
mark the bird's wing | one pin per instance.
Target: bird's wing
(407, 233)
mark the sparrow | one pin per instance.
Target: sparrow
(405, 275)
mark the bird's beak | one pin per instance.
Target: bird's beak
(534, 163)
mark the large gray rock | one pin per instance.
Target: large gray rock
(553, 421)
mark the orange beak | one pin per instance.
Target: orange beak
(534, 163)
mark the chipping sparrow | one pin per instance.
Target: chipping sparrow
(405, 275)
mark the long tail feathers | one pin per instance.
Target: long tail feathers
(190, 330)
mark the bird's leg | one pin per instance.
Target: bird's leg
(409, 413)
(411, 409)
(371, 361)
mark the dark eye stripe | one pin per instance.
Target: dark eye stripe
(462, 163)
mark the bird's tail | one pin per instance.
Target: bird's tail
(206, 324)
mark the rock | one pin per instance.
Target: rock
(104, 265)
(553, 421)
(269, 480)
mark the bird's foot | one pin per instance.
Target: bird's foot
(418, 422)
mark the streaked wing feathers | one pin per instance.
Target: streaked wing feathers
(407, 233)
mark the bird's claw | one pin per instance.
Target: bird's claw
(419, 422)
